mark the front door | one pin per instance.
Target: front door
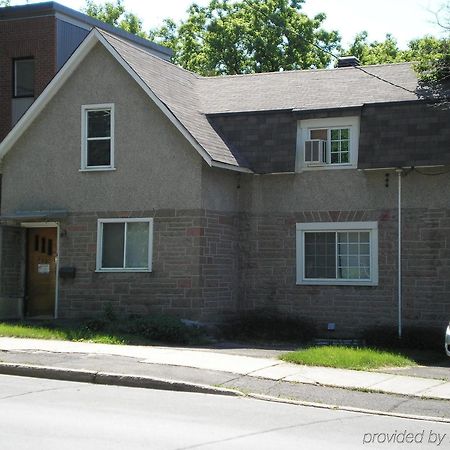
(41, 272)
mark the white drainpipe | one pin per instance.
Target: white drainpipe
(399, 270)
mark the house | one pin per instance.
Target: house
(36, 40)
(133, 183)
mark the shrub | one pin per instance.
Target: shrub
(270, 326)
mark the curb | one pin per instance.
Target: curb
(111, 379)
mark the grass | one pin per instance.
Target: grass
(63, 333)
(347, 358)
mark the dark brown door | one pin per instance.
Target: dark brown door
(41, 272)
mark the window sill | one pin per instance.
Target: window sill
(337, 283)
(98, 169)
(327, 167)
(123, 270)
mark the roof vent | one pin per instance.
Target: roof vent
(348, 61)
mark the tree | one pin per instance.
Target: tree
(430, 54)
(247, 36)
(116, 15)
(5, 3)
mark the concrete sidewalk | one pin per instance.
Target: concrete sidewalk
(266, 368)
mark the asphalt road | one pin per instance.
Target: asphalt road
(47, 414)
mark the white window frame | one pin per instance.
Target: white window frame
(100, 223)
(85, 109)
(303, 129)
(371, 227)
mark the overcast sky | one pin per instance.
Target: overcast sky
(405, 19)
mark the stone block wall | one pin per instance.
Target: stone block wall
(268, 271)
(195, 267)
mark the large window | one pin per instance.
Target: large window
(337, 253)
(124, 245)
(23, 82)
(97, 137)
(327, 143)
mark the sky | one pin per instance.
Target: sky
(404, 19)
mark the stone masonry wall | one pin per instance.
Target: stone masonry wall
(194, 267)
(268, 271)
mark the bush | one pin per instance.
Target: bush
(270, 326)
(414, 338)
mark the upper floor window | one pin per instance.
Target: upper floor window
(97, 137)
(23, 81)
(327, 143)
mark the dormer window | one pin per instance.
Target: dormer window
(97, 130)
(327, 143)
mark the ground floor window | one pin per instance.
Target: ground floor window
(124, 245)
(337, 253)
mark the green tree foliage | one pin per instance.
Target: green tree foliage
(247, 36)
(5, 3)
(116, 15)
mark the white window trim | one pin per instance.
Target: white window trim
(303, 127)
(84, 115)
(100, 223)
(372, 227)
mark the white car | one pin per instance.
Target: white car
(447, 340)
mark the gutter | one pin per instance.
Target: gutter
(400, 173)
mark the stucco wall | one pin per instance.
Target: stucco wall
(156, 166)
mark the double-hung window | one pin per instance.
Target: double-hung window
(327, 143)
(337, 253)
(97, 150)
(124, 245)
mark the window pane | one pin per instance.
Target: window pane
(24, 78)
(99, 153)
(344, 146)
(113, 242)
(345, 133)
(353, 255)
(320, 255)
(319, 134)
(335, 135)
(344, 157)
(137, 245)
(99, 123)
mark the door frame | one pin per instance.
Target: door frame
(49, 225)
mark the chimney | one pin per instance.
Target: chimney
(348, 61)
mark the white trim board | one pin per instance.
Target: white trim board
(66, 71)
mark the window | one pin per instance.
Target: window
(23, 85)
(124, 245)
(337, 253)
(327, 143)
(97, 137)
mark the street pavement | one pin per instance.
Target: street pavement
(53, 414)
(204, 370)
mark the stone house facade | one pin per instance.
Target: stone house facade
(167, 192)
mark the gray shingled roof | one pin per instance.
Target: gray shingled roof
(191, 97)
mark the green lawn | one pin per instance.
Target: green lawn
(347, 358)
(62, 333)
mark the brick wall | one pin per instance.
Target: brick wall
(194, 275)
(22, 38)
(268, 271)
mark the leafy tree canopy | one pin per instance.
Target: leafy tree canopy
(5, 3)
(247, 36)
(430, 54)
(116, 15)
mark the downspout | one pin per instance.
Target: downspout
(399, 262)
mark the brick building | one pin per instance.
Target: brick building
(320, 193)
(35, 42)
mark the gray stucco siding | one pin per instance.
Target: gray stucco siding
(155, 165)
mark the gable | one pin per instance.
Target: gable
(155, 165)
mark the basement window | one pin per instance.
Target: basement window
(337, 253)
(124, 245)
